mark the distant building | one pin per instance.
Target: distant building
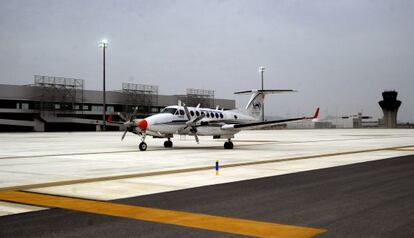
(353, 121)
(62, 104)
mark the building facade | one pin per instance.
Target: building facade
(63, 105)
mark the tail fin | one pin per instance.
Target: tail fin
(255, 105)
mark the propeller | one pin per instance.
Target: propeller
(129, 124)
(123, 118)
(192, 123)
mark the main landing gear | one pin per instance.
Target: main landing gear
(228, 145)
(168, 143)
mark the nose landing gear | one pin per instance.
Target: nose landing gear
(142, 146)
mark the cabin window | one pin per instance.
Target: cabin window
(207, 114)
(169, 110)
(212, 115)
(181, 112)
(192, 113)
(217, 116)
(197, 113)
(221, 116)
(235, 117)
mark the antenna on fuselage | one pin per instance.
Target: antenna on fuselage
(179, 103)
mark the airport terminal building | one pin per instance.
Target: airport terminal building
(62, 104)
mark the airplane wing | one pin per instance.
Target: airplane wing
(257, 125)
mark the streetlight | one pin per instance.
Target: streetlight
(261, 70)
(104, 44)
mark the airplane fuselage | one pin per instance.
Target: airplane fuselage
(173, 119)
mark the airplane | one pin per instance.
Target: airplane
(196, 121)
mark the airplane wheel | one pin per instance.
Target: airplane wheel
(142, 146)
(228, 145)
(168, 144)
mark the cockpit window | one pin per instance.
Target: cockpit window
(169, 110)
(181, 112)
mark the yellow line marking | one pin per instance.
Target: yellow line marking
(187, 219)
(187, 170)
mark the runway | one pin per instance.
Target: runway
(99, 167)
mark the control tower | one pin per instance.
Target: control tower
(389, 106)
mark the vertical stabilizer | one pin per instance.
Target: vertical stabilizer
(255, 105)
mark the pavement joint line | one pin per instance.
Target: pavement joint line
(178, 148)
(404, 149)
(111, 152)
(68, 154)
(187, 170)
(179, 218)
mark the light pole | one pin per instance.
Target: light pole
(261, 70)
(104, 44)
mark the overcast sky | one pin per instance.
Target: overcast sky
(340, 55)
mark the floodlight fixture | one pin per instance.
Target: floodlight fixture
(103, 43)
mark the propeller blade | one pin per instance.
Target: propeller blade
(123, 136)
(199, 118)
(122, 117)
(187, 113)
(133, 114)
(129, 124)
(192, 123)
(196, 138)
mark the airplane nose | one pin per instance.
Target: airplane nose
(142, 124)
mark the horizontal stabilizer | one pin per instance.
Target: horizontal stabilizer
(266, 91)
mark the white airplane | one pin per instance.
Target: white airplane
(196, 121)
